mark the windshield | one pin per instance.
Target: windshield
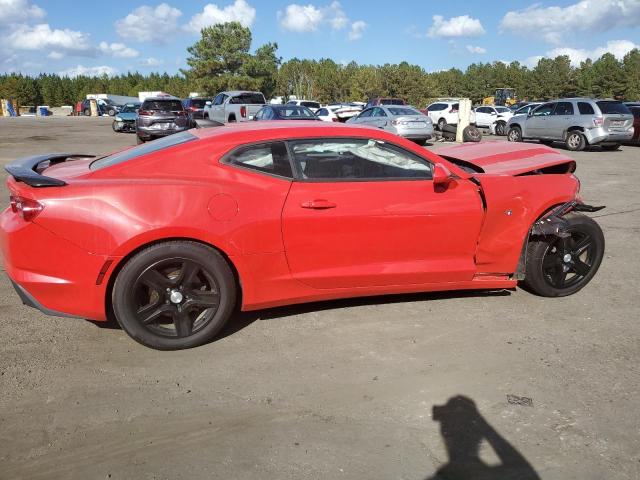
(163, 105)
(144, 149)
(294, 111)
(130, 107)
(199, 102)
(611, 106)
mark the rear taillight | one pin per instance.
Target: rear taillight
(143, 112)
(243, 111)
(598, 121)
(27, 208)
(453, 110)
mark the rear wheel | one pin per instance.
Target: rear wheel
(557, 267)
(515, 134)
(501, 129)
(576, 141)
(441, 124)
(174, 295)
(87, 112)
(611, 148)
(139, 140)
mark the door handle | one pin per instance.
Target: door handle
(319, 204)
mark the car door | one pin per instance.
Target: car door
(364, 117)
(536, 125)
(484, 117)
(557, 123)
(378, 118)
(217, 109)
(364, 212)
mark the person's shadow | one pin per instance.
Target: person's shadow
(463, 430)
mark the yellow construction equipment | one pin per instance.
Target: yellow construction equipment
(503, 97)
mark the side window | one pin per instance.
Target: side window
(585, 108)
(544, 110)
(259, 114)
(378, 112)
(323, 112)
(436, 107)
(218, 99)
(268, 114)
(564, 108)
(366, 113)
(266, 158)
(356, 159)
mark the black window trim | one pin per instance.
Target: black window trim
(298, 177)
(225, 159)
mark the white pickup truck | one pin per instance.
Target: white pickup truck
(235, 106)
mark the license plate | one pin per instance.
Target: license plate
(616, 123)
(161, 126)
(417, 125)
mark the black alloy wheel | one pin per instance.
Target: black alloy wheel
(560, 266)
(174, 295)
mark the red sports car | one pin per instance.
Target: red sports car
(171, 235)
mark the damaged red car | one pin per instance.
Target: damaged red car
(171, 236)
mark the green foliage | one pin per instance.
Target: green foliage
(221, 60)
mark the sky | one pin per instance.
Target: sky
(95, 37)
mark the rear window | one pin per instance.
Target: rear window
(295, 111)
(610, 106)
(391, 101)
(585, 108)
(248, 99)
(163, 105)
(403, 111)
(310, 104)
(199, 102)
(144, 149)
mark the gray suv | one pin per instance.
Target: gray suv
(161, 116)
(578, 122)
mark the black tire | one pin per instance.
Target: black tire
(514, 134)
(111, 112)
(471, 134)
(501, 129)
(549, 270)
(610, 148)
(441, 124)
(174, 295)
(87, 112)
(205, 116)
(575, 141)
(113, 125)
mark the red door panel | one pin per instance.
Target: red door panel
(358, 234)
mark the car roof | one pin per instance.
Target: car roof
(155, 99)
(232, 93)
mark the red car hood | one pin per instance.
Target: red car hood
(507, 158)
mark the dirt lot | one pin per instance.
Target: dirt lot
(340, 389)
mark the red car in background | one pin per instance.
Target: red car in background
(635, 110)
(171, 235)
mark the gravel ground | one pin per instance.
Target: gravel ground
(340, 389)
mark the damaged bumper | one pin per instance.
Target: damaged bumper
(553, 222)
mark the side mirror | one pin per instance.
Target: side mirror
(493, 113)
(441, 176)
(208, 103)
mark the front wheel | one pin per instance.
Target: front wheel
(515, 134)
(174, 295)
(557, 267)
(576, 141)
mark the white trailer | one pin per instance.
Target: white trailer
(117, 99)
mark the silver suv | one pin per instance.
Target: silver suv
(576, 121)
(161, 116)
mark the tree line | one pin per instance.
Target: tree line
(222, 60)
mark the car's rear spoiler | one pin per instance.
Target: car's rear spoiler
(28, 169)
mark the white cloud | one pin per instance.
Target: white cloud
(42, 36)
(357, 30)
(308, 18)
(151, 62)
(552, 23)
(119, 50)
(619, 48)
(54, 55)
(17, 11)
(531, 62)
(238, 11)
(89, 71)
(476, 49)
(462, 26)
(146, 23)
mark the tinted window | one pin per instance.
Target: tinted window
(544, 110)
(356, 159)
(163, 105)
(199, 102)
(391, 101)
(145, 148)
(310, 104)
(403, 111)
(436, 107)
(219, 99)
(248, 98)
(267, 158)
(294, 112)
(323, 112)
(484, 110)
(585, 108)
(564, 108)
(366, 113)
(610, 106)
(378, 112)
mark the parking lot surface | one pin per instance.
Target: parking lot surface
(547, 388)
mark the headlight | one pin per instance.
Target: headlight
(118, 119)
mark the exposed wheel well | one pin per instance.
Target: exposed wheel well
(573, 129)
(125, 259)
(514, 125)
(232, 117)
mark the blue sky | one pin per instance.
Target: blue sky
(71, 37)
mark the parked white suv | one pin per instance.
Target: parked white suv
(493, 118)
(234, 106)
(446, 113)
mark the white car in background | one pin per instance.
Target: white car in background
(493, 118)
(310, 104)
(338, 112)
(445, 112)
